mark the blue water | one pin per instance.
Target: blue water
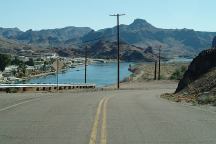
(99, 74)
(180, 59)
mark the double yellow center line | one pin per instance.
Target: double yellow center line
(102, 107)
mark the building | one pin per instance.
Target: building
(1, 76)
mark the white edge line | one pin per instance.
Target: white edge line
(15, 105)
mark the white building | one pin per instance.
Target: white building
(9, 70)
(23, 58)
(1, 75)
(50, 55)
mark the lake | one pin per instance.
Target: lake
(180, 59)
(102, 74)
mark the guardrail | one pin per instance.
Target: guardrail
(42, 87)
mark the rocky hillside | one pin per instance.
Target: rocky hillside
(175, 42)
(214, 42)
(10, 33)
(13, 47)
(100, 49)
(107, 49)
(45, 38)
(202, 64)
(140, 33)
(200, 78)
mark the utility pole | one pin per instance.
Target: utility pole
(118, 53)
(57, 71)
(155, 71)
(159, 68)
(85, 64)
(57, 66)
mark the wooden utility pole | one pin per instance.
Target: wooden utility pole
(86, 64)
(155, 71)
(118, 53)
(159, 63)
(57, 71)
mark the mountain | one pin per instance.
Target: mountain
(107, 50)
(46, 38)
(10, 33)
(175, 42)
(140, 33)
(8, 46)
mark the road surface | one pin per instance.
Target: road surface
(103, 117)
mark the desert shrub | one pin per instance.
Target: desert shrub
(178, 73)
(11, 90)
(207, 99)
(162, 77)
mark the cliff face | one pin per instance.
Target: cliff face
(201, 65)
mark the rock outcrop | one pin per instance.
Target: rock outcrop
(108, 50)
(201, 65)
(214, 42)
(149, 50)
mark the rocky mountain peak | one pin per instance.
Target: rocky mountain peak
(149, 49)
(141, 23)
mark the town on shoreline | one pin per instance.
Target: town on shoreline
(22, 68)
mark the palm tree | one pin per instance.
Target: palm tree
(22, 70)
(14, 72)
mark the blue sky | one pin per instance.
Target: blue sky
(43, 14)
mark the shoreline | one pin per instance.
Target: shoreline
(97, 65)
(143, 73)
(140, 72)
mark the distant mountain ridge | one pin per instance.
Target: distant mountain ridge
(107, 50)
(10, 33)
(140, 33)
(45, 38)
(174, 41)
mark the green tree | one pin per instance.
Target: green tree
(44, 68)
(52, 60)
(178, 73)
(5, 60)
(14, 72)
(16, 61)
(30, 62)
(22, 70)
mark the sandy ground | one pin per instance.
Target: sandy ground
(146, 85)
(146, 71)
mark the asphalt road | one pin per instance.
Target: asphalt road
(103, 117)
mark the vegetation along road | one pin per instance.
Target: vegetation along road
(135, 116)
